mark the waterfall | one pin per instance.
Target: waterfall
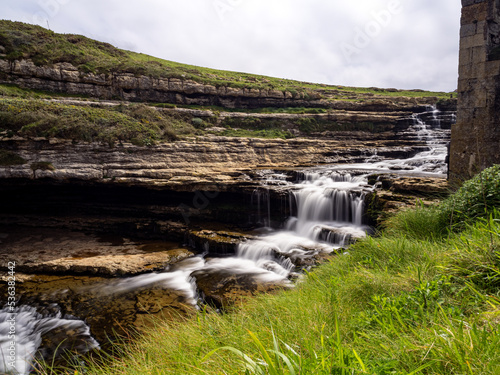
(329, 215)
(330, 205)
(426, 128)
(262, 199)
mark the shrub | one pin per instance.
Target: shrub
(42, 166)
(197, 123)
(8, 158)
(477, 197)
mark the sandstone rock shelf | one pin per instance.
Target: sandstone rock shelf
(206, 163)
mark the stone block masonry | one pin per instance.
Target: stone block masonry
(475, 139)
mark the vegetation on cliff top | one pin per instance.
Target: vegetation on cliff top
(417, 299)
(30, 114)
(137, 123)
(44, 47)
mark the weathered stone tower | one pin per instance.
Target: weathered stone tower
(475, 139)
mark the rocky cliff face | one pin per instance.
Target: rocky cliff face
(65, 78)
(200, 163)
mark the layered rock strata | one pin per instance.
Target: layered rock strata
(204, 163)
(66, 78)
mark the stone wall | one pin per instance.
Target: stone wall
(476, 136)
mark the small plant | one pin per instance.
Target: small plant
(273, 361)
(197, 122)
(42, 166)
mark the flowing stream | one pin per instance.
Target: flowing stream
(426, 127)
(327, 208)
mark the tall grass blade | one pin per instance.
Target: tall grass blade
(248, 362)
(358, 358)
(265, 355)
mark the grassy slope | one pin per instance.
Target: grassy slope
(46, 47)
(29, 114)
(416, 299)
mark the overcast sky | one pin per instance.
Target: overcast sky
(405, 44)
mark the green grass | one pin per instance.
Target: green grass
(263, 133)
(134, 123)
(45, 47)
(404, 302)
(29, 113)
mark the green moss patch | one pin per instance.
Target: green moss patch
(8, 158)
(42, 166)
(137, 123)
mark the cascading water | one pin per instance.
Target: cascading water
(330, 205)
(329, 213)
(426, 128)
(436, 139)
(262, 200)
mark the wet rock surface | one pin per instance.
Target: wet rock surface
(217, 242)
(202, 163)
(423, 186)
(109, 308)
(56, 251)
(396, 192)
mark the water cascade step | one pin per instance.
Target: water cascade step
(432, 129)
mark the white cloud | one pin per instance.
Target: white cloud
(416, 47)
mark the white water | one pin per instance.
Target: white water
(330, 210)
(330, 205)
(178, 279)
(427, 163)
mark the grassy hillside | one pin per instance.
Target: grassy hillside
(421, 298)
(45, 47)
